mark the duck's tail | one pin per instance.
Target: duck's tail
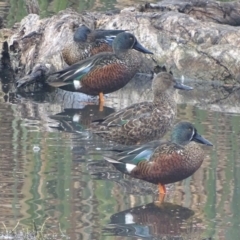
(121, 166)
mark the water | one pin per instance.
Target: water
(53, 175)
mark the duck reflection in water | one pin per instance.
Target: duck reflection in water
(154, 221)
(78, 120)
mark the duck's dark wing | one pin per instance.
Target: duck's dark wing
(80, 69)
(157, 157)
(106, 35)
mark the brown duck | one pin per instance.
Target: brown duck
(105, 72)
(145, 121)
(162, 162)
(86, 43)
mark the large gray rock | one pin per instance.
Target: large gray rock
(198, 39)
(193, 38)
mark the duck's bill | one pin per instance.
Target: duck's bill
(181, 86)
(199, 139)
(137, 46)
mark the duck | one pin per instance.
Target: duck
(86, 43)
(104, 72)
(145, 121)
(164, 162)
(77, 120)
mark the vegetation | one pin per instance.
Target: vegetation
(34, 233)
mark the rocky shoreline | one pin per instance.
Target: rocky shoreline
(197, 39)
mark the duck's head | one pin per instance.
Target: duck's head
(125, 41)
(164, 81)
(184, 132)
(81, 34)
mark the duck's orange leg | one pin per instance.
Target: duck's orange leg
(162, 192)
(101, 101)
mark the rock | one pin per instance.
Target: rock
(197, 39)
(39, 41)
(186, 44)
(208, 11)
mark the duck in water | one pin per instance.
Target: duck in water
(105, 72)
(145, 121)
(164, 162)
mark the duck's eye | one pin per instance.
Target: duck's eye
(189, 129)
(131, 38)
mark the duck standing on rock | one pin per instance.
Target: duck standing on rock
(145, 121)
(86, 43)
(160, 162)
(105, 72)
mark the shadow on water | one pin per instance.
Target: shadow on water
(76, 120)
(153, 221)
